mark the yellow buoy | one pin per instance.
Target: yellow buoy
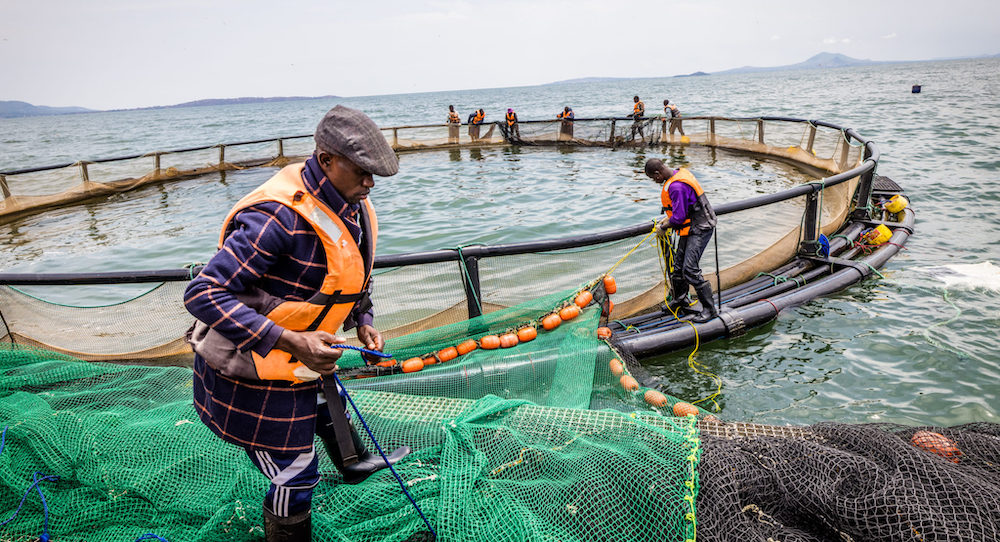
(685, 139)
(877, 235)
(896, 203)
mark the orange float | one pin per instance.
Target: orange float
(386, 363)
(570, 312)
(583, 298)
(508, 340)
(603, 333)
(610, 286)
(489, 342)
(413, 365)
(429, 360)
(629, 383)
(655, 398)
(616, 367)
(551, 322)
(937, 444)
(682, 409)
(527, 333)
(466, 346)
(447, 354)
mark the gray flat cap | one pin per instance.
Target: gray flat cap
(352, 134)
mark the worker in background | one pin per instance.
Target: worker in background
(638, 112)
(566, 126)
(475, 120)
(513, 132)
(690, 216)
(454, 121)
(670, 111)
(294, 266)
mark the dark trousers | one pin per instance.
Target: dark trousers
(687, 257)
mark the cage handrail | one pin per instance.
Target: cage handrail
(473, 251)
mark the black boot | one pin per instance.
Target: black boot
(297, 528)
(708, 309)
(681, 303)
(365, 465)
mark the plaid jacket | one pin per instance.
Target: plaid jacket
(269, 246)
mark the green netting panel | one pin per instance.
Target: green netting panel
(132, 458)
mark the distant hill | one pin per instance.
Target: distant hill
(822, 60)
(695, 74)
(11, 109)
(589, 80)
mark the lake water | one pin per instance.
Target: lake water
(917, 347)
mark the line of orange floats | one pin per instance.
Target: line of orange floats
(520, 334)
(652, 397)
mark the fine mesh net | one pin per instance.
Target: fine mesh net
(506, 445)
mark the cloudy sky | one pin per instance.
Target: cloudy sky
(133, 53)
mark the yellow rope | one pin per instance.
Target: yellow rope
(697, 340)
(619, 262)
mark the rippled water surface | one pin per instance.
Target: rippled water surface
(901, 348)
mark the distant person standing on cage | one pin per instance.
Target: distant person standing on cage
(671, 111)
(475, 121)
(638, 112)
(454, 121)
(566, 126)
(513, 132)
(294, 264)
(690, 215)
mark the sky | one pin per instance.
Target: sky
(113, 54)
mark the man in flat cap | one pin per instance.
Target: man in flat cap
(294, 265)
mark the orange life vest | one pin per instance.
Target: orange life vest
(454, 118)
(347, 271)
(702, 212)
(672, 109)
(565, 115)
(639, 108)
(478, 118)
(511, 118)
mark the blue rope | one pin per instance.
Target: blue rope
(362, 350)
(151, 536)
(45, 529)
(368, 430)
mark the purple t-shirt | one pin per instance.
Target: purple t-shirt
(682, 199)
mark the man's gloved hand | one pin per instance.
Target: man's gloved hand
(663, 228)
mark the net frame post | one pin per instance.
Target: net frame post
(811, 224)
(760, 131)
(862, 209)
(84, 174)
(611, 139)
(222, 156)
(156, 164)
(281, 148)
(3, 186)
(395, 137)
(711, 131)
(812, 137)
(471, 284)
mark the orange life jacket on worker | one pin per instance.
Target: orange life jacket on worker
(479, 117)
(639, 109)
(345, 284)
(701, 215)
(511, 118)
(454, 118)
(565, 114)
(672, 109)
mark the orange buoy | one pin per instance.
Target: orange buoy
(466, 346)
(682, 409)
(429, 360)
(711, 418)
(413, 365)
(937, 444)
(527, 333)
(603, 333)
(570, 312)
(655, 398)
(610, 286)
(616, 367)
(386, 363)
(489, 342)
(447, 354)
(508, 340)
(583, 298)
(629, 383)
(551, 322)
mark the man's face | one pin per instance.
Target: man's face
(351, 181)
(657, 176)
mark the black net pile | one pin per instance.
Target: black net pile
(840, 482)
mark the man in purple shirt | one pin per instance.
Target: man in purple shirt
(690, 215)
(294, 265)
